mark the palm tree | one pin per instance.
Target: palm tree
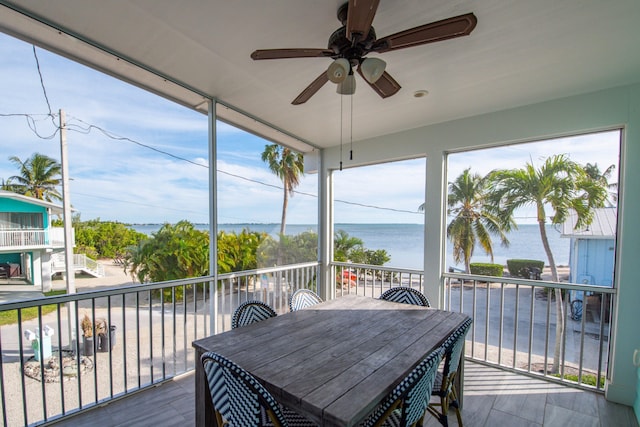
(343, 245)
(593, 171)
(474, 221)
(39, 177)
(5, 185)
(288, 165)
(560, 185)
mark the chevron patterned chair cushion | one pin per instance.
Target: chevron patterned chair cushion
(240, 400)
(406, 295)
(407, 403)
(303, 298)
(444, 386)
(251, 311)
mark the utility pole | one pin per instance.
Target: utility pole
(68, 230)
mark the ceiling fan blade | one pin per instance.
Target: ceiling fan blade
(291, 53)
(360, 16)
(311, 90)
(385, 86)
(449, 28)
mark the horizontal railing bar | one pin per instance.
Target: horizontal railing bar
(79, 296)
(60, 299)
(237, 274)
(376, 267)
(530, 282)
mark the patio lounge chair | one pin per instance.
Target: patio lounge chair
(303, 298)
(407, 404)
(239, 400)
(251, 311)
(406, 295)
(444, 386)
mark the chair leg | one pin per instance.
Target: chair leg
(454, 403)
(439, 415)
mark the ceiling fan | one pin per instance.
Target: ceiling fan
(350, 44)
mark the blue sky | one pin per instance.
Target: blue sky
(113, 178)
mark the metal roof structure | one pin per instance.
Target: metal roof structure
(602, 227)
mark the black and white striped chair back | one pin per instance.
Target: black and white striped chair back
(236, 395)
(303, 298)
(251, 311)
(406, 295)
(407, 403)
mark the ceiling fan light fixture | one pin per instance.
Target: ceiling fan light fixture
(348, 86)
(338, 70)
(372, 69)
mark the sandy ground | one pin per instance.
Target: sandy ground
(114, 276)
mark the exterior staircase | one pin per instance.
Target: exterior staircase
(81, 263)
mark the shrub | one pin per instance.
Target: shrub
(486, 269)
(520, 267)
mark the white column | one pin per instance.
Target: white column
(325, 228)
(213, 219)
(434, 223)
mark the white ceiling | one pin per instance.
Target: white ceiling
(521, 52)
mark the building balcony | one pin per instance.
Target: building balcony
(20, 240)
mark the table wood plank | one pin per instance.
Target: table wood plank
(335, 361)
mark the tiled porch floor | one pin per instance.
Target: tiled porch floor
(492, 397)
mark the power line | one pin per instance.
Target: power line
(44, 89)
(134, 202)
(87, 129)
(31, 123)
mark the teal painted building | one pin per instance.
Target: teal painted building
(592, 250)
(27, 240)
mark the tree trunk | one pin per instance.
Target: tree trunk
(283, 222)
(285, 203)
(557, 352)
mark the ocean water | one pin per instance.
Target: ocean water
(405, 242)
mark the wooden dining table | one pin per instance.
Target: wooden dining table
(333, 362)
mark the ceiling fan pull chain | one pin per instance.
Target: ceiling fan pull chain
(351, 130)
(341, 126)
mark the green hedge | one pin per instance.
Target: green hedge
(520, 267)
(486, 269)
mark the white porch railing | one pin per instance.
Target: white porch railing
(151, 342)
(515, 326)
(155, 324)
(24, 239)
(372, 280)
(80, 263)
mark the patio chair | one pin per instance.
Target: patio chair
(407, 404)
(406, 295)
(251, 311)
(239, 400)
(303, 298)
(444, 386)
